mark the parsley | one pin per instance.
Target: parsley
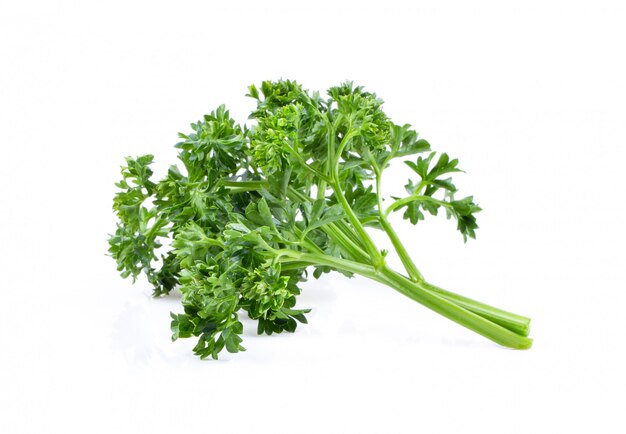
(251, 209)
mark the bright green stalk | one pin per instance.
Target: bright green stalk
(456, 313)
(408, 263)
(516, 323)
(356, 223)
(421, 294)
(367, 241)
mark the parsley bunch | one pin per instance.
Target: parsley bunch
(252, 209)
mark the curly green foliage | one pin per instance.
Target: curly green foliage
(138, 231)
(423, 195)
(359, 113)
(273, 139)
(250, 209)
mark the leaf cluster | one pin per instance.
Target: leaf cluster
(423, 194)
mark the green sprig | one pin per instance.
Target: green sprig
(250, 209)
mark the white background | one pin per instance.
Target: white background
(530, 96)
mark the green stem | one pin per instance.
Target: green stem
(243, 186)
(338, 227)
(354, 220)
(408, 263)
(346, 244)
(293, 265)
(418, 292)
(456, 313)
(339, 231)
(331, 261)
(516, 323)
(349, 232)
(358, 227)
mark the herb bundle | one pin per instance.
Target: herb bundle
(252, 210)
